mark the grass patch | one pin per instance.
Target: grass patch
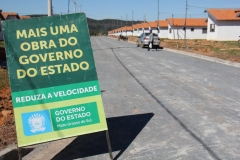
(234, 52)
(230, 43)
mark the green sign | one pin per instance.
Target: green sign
(55, 89)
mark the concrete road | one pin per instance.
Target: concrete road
(161, 105)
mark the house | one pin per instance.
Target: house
(115, 32)
(123, 31)
(153, 26)
(10, 15)
(1, 31)
(196, 28)
(127, 31)
(109, 33)
(139, 29)
(118, 31)
(135, 30)
(145, 27)
(24, 17)
(223, 24)
(163, 28)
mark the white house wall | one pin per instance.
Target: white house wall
(170, 35)
(224, 30)
(212, 35)
(228, 30)
(140, 31)
(129, 33)
(163, 32)
(154, 30)
(179, 33)
(135, 32)
(146, 30)
(124, 33)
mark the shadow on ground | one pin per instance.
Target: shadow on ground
(13, 154)
(122, 130)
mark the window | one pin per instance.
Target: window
(212, 27)
(170, 30)
(204, 30)
(192, 29)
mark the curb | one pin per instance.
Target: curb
(212, 59)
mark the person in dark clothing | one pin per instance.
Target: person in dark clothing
(150, 39)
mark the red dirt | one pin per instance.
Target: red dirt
(7, 123)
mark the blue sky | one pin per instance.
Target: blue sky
(115, 9)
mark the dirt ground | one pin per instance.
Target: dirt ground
(223, 50)
(7, 123)
(227, 50)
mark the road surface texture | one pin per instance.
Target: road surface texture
(159, 105)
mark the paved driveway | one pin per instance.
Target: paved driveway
(162, 105)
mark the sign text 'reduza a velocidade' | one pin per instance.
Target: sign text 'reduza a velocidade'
(43, 96)
(51, 56)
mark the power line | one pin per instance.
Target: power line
(197, 6)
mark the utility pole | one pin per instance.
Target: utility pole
(74, 6)
(68, 6)
(117, 27)
(173, 27)
(185, 24)
(121, 21)
(126, 19)
(132, 24)
(158, 18)
(80, 8)
(49, 7)
(121, 26)
(112, 24)
(126, 25)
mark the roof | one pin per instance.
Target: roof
(163, 23)
(152, 24)
(190, 22)
(24, 17)
(124, 28)
(119, 29)
(225, 14)
(129, 28)
(145, 25)
(135, 26)
(6, 14)
(139, 25)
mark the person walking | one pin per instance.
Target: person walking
(150, 40)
